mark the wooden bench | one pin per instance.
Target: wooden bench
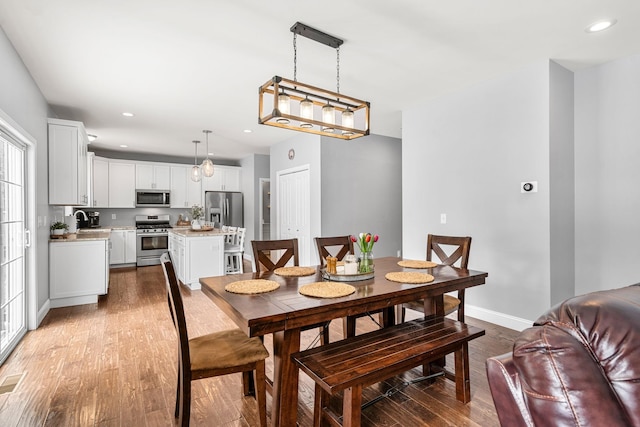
(357, 362)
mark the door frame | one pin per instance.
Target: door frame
(261, 182)
(19, 134)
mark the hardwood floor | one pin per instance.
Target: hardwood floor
(114, 364)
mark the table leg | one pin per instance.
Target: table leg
(284, 410)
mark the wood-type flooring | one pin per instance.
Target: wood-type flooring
(114, 364)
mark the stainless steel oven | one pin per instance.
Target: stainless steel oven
(152, 238)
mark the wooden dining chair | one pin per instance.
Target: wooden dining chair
(339, 247)
(211, 355)
(263, 259)
(449, 250)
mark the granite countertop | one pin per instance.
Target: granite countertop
(83, 237)
(188, 232)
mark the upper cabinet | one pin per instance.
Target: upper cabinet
(184, 192)
(225, 178)
(100, 182)
(68, 178)
(122, 181)
(153, 177)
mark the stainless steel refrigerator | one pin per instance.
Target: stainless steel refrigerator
(224, 208)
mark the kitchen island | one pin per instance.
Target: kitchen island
(197, 254)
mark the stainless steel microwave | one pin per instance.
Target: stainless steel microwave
(153, 198)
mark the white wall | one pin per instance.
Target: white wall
(22, 100)
(607, 154)
(465, 155)
(254, 167)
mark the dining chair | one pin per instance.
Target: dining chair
(234, 252)
(263, 259)
(339, 247)
(449, 250)
(211, 355)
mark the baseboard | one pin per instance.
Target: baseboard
(502, 319)
(43, 312)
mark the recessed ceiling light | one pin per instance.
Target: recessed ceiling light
(124, 146)
(127, 114)
(91, 137)
(600, 25)
(247, 131)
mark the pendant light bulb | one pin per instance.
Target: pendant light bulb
(329, 117)
(195, 170)
(306, 112)
(284, 106)
(347, 121)
(207, 164)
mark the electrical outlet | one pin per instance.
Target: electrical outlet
(443, 218)
(399, 253)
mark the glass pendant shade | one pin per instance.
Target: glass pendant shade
(347, 121)
(328, 116)
(207, 167)
(284, 106)
(306, 112)
(196, 175)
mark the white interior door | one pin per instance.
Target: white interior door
(294, 209)
(12, 244)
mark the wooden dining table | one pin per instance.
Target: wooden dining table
(284, 312)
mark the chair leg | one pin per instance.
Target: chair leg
(185, 400)
(248, 385)
(401, 312)
(261, 394)
(324, 334)
(352, 406)
(348, 326)
(178, 391)
(320, 400)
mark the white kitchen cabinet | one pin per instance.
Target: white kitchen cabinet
(152, 176)
(100, 182)
(123, 247)
(122, 185)
(225, 178)
(184, 192)
(68, 183)
(78, 271)
(196, 255)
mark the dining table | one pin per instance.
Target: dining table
(284, 312)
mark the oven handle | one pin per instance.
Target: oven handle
(152, 234)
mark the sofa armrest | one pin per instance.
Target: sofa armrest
(507, 392)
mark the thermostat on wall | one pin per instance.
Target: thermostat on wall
(292, 154)
(529, 187)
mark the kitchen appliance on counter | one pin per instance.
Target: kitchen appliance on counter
(153, 198)
(88, 219)
(152, 238)
(224, 208)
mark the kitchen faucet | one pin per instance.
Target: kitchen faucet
(83, 214)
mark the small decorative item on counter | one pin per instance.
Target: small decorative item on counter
(197, 212)
(182, 221)
(365, 242)
(58, 228)
(331, 265)
(350, 264)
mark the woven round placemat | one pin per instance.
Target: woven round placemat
(416, 263)
(409, 277)
(295, 271)
(254, 286)
(326, 290)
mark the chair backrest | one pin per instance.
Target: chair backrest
(177, 311)
(449, 249)
(262, 253)
(231, 238)
(239, 237)
(338, 247)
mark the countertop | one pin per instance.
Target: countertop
(82, 237)
(188, 232)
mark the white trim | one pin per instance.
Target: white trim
(17, 132)
(43, 311)
(502, 319)
(70, 301)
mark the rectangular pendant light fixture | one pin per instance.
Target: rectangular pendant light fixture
(290, 104)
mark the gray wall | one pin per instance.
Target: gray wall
(465, 155)
(254, 167)
(362, 190)
(22, 100)
(607, 151)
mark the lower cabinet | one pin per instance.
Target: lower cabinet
(196, 257)
(123, 247)
(78, 271)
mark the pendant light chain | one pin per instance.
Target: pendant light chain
(295, 58)
(338, 69)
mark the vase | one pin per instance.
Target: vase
(195, 224)
(365, 263)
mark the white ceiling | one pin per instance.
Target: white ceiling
(185, 66)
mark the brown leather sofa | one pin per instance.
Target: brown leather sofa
(579, 365)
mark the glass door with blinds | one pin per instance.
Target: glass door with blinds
(12, 244)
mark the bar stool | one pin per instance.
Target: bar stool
(234, 252)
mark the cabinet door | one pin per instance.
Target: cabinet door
(144, 177)
(162, 177)
(130, 246)
(77, 268)
(214, 183)
(231, 179)
(100, 183)
(63, 165)
(178, 187)
(122, 181)
(117, 247)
